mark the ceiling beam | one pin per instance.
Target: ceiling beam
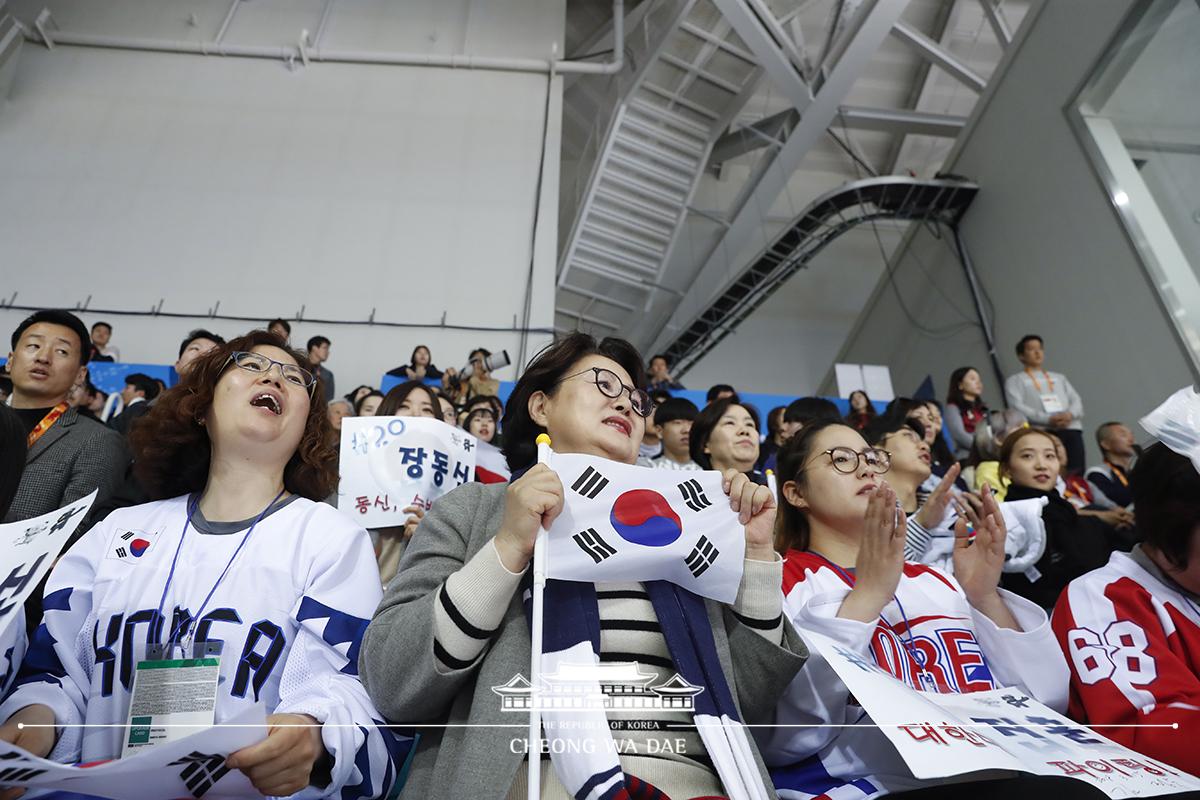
(775, 54)
(922, 81)
(939, 55)
(999, 24)
(870, 26)
(902, 121)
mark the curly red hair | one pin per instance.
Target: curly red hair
(171, 449)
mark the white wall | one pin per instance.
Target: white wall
(1047, 244)
(133, 177)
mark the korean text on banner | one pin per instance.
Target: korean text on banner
(391, 463)
(940, 735)
(627, 523)
(190, 767)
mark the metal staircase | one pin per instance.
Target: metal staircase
(690, 83)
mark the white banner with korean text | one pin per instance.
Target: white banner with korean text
(391, 463)
(940, 735)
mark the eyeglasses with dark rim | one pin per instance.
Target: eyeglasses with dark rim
(846, 461)
(610, 386)
(258, 363)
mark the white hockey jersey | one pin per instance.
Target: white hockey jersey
(929, 637)
(290, 613)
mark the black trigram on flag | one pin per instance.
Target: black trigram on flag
(590, 483)
(702, 557)
(127, 535)
(122, 552)
(590, 542)
(201, 772)
(693, 495)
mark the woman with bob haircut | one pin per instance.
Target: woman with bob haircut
(725, 437)
(236, 550)
(845, 577)
(452, 624)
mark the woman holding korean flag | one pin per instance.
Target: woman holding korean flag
(842, 533)
(450, 643)
(238, 589)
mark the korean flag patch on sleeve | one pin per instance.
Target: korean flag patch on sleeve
(131, 545)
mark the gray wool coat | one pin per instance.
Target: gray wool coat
(396, 661)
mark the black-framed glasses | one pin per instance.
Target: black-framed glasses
(257, 362)
(846, 460)
(610, 386)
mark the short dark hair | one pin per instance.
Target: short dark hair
(359, 404)
(1026, 339)
(101, 324)
(317, 341)
(1102, 433)
(879, 428)
(1166, 502)
(543, 374)
(717, 389)
(200, 333)
(660, 396)
(65, 319)
(143, 383)
(656, 356)
(283, 323)
(494, 403)
(706, 422)
(791, 526)
(675, 408)
(806, 410)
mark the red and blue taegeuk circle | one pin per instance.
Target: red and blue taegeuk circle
(643, 516)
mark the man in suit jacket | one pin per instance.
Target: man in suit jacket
(138, 392)
(69, 454)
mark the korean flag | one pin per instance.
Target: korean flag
(626, 523)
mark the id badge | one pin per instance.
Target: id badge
(1051, 404)
(174, 695)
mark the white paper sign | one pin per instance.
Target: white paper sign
(940, 735)
(28, 549)
(391, 463)
(189, 767)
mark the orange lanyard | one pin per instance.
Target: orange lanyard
(1037, 385)
(1118, 473)
(47, 421)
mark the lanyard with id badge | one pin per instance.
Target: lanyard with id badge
(174, 690)
(1051, 403)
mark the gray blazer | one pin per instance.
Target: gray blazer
(396, 661)
(76, 455)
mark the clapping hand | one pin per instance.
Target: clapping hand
(979, 557)
(880, 561)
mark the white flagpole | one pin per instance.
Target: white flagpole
(535, 650)
(773, 484)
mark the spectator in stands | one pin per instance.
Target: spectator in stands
(359, 392)
(1075, 489)
(943, 456)
(88, 399)
(1047, 399)
(6, 388)
(481, 423)
(965, 410)
(338, 410)
(368, 404)
(674, 420)
(861, 410)
(1131, 629)
(1074, 544)
(449, 412)
(318, 354)
(408, 399)
(724, 436)
(69, 455)
(12, 456)
(197, 343)
(100, 348)
(773, 440)
(721, 391)
(281, 328)
(660, 375)
(989, 440)
(910, 466)
(453, 619)
(479, 382)
(240, 447)
(419, 367)
(652, 445)
(138, 392)
(805, 410)
(845, 576)
(1110, 479)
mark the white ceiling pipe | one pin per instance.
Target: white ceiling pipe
(285, 53)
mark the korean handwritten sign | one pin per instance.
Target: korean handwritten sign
(389, 464)
(939, 735)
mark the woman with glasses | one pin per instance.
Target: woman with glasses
(724, 437)
(237, 560)
(453, 624)
(845, 577)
